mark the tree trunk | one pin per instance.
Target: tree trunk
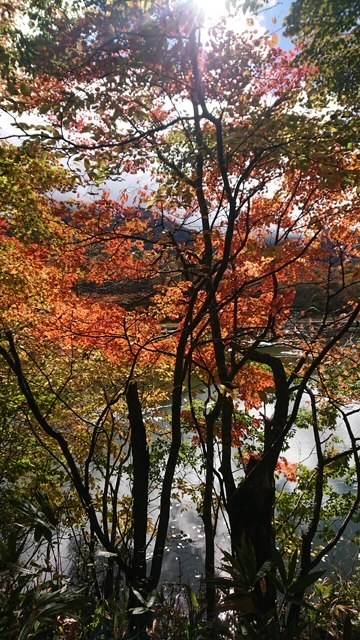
(138, 623)
(208, 521)
(251, 513)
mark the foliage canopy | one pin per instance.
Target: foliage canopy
(202, 323)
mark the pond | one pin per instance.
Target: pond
(184, 552)
(184, 557)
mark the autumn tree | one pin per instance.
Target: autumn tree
(328, 33)
(250, 206)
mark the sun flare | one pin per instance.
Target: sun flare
(213, 9)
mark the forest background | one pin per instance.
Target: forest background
(170, 345)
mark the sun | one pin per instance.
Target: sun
(212, 9)
(215, 10)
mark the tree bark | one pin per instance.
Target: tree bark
(140, 495)
(208, 521)
(251, 510)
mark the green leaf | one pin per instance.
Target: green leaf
(139, 596)
(305, 581)
(279, 564)
(137, 611)
(264, 570)
(151, 601)
(292, 566)
(25, 89)
(44, 108)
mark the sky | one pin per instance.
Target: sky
(270, 18)
(278, 10)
